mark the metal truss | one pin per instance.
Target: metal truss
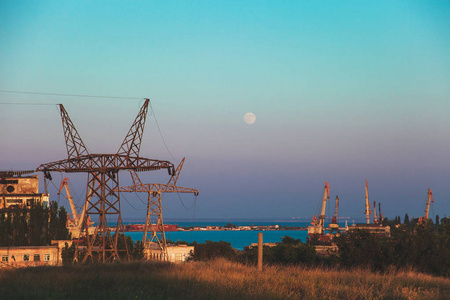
(102, 198)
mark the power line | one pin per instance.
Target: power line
(160, 133)
(18, 103)
(67, 95)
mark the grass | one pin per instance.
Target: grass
(219, 279)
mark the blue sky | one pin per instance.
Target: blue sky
(342, 92)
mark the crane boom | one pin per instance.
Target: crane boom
(375, 218)
(334, 219)
(368, 209)
(65, 184)
(380, 213)
(326, 196)
(429, 201)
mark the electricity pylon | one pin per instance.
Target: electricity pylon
(154, 219)
(102, 200)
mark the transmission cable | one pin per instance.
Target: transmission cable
(67, 95)
(160, 133)
(25, 103)
(182, 203)
(129, 202)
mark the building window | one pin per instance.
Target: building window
(37, 257)
(15, 201)
(10, 189)
(46, 257)
(5, 258)
(26, 257)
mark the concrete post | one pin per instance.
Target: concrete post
(260, 251)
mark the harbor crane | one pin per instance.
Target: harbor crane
(154, 219)
(380, 213)
(102, 200)
(75, 224)
(334, 224)
(368, 208)
(430, 200)
(375, 217)
(318, 224)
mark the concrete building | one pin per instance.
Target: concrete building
(32, 256)
(176, 253)
(18, 191)
(384, 231)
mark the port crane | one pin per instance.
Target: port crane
(368, 208)
(75, 224)
(154, 219)
(318, 224)
(380, 213)
(375, 217)
(334, 224)
(427, 210)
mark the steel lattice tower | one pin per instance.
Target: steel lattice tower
(102, 198)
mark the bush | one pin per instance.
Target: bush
(211, 250)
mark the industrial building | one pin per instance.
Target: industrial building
(19, 191)
(175, 253)
(32, 256)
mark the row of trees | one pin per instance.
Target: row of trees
(424, 247)
(34, 226)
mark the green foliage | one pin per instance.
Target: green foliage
(424, 248)
(68, 254)
(406, 220)
(364, 249)
(124, 245)
(211, 250)
(138, 250)
(34, 226)
(289, 252)
(230, 225)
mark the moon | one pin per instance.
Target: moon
(249, 118)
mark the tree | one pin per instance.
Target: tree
(62, 233)
(230, 225)
(365, 249)
(211, 250)
(138, 250)
(406, 220)
(124, 245)
(68, 254)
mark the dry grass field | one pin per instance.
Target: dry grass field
(219, 279)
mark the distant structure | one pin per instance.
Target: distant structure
(368, 210)
(425, 219)
(377, 226)
(154, 238)
(102, 200)
(318, 225)
(20, 191)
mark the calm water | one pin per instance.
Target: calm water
(238, 239)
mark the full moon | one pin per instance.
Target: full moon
(249, 118)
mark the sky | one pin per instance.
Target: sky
(343, 92)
